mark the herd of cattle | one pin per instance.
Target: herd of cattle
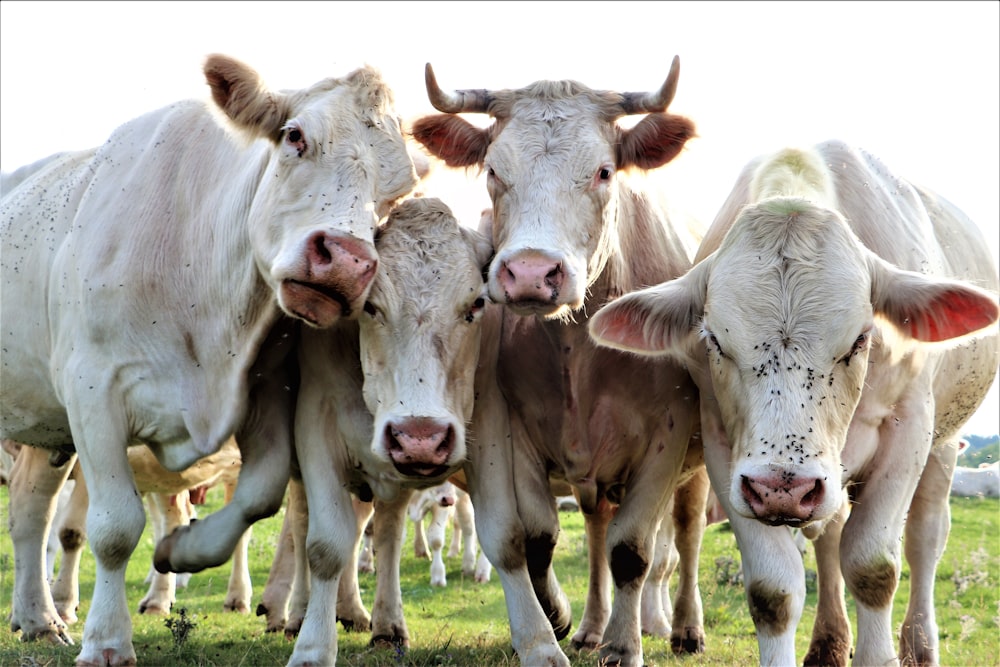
(260, 271)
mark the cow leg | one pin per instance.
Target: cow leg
(419, 539)
(478, 568)
(331, 535)
(501, 533)
(388, 624)
(366, 561)
(72, 535)
(34, 488)
(687, 633)
(927, 525)
(301, 588)
(870, 545)
(240, 589)
(435, 541)
(773, 573)
(597, 607)
(831, 637)
(351, 610)
(167, 512)
(265, 443)
(278, 588)
(656, 607)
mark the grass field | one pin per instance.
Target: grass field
(465, 624)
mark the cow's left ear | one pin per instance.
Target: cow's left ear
(241, 94)
(656, 320)
(482, 247)
(930, 310)
(654, 141)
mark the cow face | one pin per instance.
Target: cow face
(552, 159)
(336, 162)
(420, 338)
(788, 315)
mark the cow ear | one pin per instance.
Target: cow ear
(653, 321)
(241, 94)
(930, 310)
(482, 247)
(654, 141)
(452, 139)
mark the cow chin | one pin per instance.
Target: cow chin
(427, 474)
(317, 305)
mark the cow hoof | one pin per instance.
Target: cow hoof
(688, 644)
(153, 610)
(237, 606)
(161, 556)
(389, 641)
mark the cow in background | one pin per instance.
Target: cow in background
(153, 291)
(840, 322)
(571, 230)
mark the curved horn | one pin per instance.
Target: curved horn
(468, 101)
(633, 103)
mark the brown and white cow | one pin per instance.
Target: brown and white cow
(571, 231)
(153, 288)
(382, 409)
(841, 325)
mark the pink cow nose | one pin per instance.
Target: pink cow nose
(343, 263)
(781, 499)
(420, 446)
(531, 276)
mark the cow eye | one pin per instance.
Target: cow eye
(604, 174)
(474, 310)
(294, 136)
(860, 343)
(370, 309)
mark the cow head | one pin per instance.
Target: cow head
(335, 163)
(420, 338)
(780, 325)
(553, 157)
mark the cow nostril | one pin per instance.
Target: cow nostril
(814, 496)
(319, 248)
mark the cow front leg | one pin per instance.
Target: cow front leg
(240, 589)
(927, 525)
(501, 534)
(388, 623)
(278, 587)
(34, 489)
(168, 512)
(831, 637)
(773, 573)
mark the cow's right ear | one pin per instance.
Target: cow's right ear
(453, 139)
(241, 94)
(656, 320)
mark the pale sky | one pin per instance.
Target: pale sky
(915, 83)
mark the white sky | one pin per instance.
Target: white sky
(916, 83)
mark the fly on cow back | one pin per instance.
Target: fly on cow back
(572, 230)
(840, 322)
(153, 291)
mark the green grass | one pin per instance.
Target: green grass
(466, 623)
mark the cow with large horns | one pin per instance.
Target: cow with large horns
(572, 230)
(841, 325)
(153, 289)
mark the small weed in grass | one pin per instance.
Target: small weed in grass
(180, 627)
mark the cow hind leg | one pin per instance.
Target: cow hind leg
(240, 589)
(927, 527)
(72, 535)
(351, 612)
(597, 607)
(167, 513)
(687, 633)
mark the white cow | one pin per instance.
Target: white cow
(981, 482)
(152, 291)
(571, 231)
(382, 408)
(827, 324)
(446, 504)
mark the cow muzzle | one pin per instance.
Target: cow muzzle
(420, 446)
(337, 271)
(777, 496)
(530, 282)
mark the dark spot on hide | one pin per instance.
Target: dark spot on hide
(538, 551)
(874, 585)
(71, 539)
(324, 560)
(769, 608)
(628, 567)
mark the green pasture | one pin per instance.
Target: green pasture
(465, 624)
